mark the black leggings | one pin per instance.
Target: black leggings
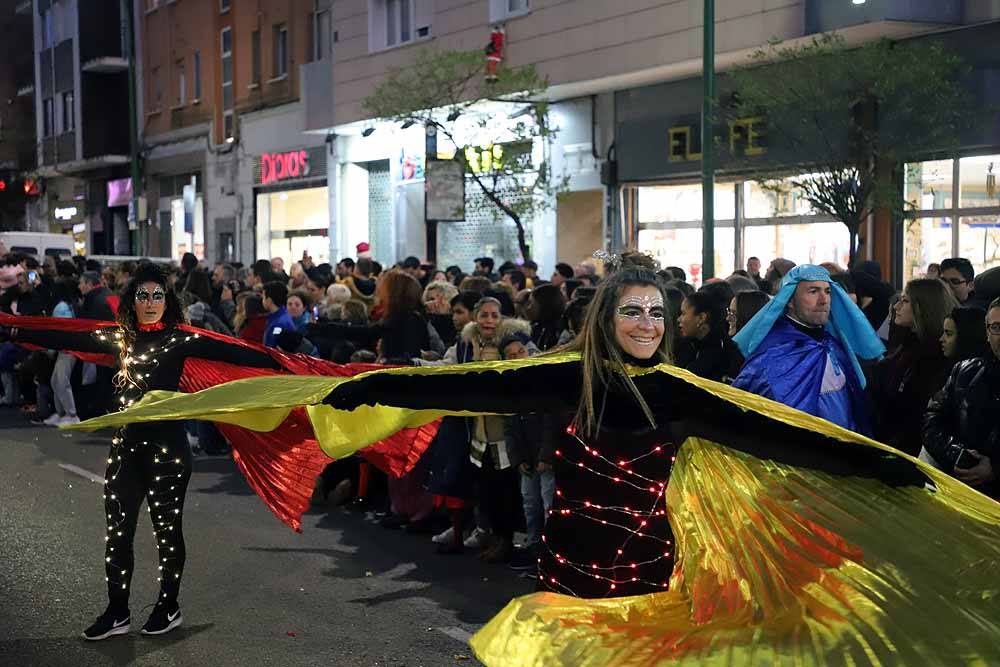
(154, 465)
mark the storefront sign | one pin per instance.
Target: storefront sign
(745, 134)
(65, 213)
(275, 167)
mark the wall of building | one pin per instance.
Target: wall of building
(568, 40)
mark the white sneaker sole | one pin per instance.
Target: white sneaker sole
(121, 630)
(173, 624)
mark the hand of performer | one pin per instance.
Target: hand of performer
(979, 474)
(543, 467)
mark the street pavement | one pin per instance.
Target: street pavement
(345, 592)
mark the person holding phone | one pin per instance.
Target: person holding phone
(962, 425)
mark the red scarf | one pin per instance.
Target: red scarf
(156, 326)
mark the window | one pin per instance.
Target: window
(280, 50)
(501, 10)
(181, 83)
(68, 112)
(46, 21)
(157, 90)
(255, 56)
(226, 39)
(223, 6)
(321, 40)
(197, 75)
(152, 5)
(954, 211)
(48, 118)
(398, 22)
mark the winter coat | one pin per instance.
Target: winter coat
(713, 357)
(96, 306)
(966, 414)
(902, 384)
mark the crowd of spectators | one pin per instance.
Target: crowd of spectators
(935, 393)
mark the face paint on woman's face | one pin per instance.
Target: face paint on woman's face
(150, 302)
(639, 323)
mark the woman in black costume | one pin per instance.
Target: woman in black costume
(149, 462)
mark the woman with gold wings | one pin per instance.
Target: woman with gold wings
(780, 538)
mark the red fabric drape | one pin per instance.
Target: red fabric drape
(281, 466)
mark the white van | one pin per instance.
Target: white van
(38, 244)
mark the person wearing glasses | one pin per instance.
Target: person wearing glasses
(959, 274)
(150, 462)
(962, 423)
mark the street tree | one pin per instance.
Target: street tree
(843, 119)
(503, 154)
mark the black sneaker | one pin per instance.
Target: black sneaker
(524, 559)
(107, 625)
(165, 617)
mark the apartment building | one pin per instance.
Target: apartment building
(223, 126)
(621, 75)
(80, 94)
(17, 116)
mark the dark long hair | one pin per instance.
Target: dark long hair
(128, 321)
(972, 342)
(706, 303)
(603, 362)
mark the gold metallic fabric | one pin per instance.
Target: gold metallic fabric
(776, 564)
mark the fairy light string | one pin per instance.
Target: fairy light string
(163, 502)
(635, 523)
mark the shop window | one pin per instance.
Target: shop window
(807, 243)
(683, 247)
(928, 185)
(978, 181)
(678, 203)
(280, 50)
(925, 241)
(778, 199)
(979, 241)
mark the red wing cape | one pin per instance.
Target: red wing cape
(281, 466)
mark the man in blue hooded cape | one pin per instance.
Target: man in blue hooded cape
(802, 349)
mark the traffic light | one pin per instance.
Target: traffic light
(31, 188)
(3, 185)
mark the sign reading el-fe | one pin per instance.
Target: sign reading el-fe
(276, 167)
(745, 134)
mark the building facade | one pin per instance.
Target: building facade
(222, 87)
(81, 123)
(17, 116)
(620, 75)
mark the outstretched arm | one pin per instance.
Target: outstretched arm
(233, 351)
(66, 334)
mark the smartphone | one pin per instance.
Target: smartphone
(32, 276)
(966, 460)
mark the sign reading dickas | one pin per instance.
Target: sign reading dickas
(276, 167)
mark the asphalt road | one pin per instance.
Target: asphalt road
(345, 592)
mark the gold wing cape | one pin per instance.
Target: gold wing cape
(798, 542)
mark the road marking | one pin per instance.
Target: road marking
(457, 633)
(76, 470)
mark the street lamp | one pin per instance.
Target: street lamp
(708, 144)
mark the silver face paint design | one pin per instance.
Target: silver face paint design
(635, 307)
(142, 295)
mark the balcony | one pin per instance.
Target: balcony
(26, 90)
(23, 8)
